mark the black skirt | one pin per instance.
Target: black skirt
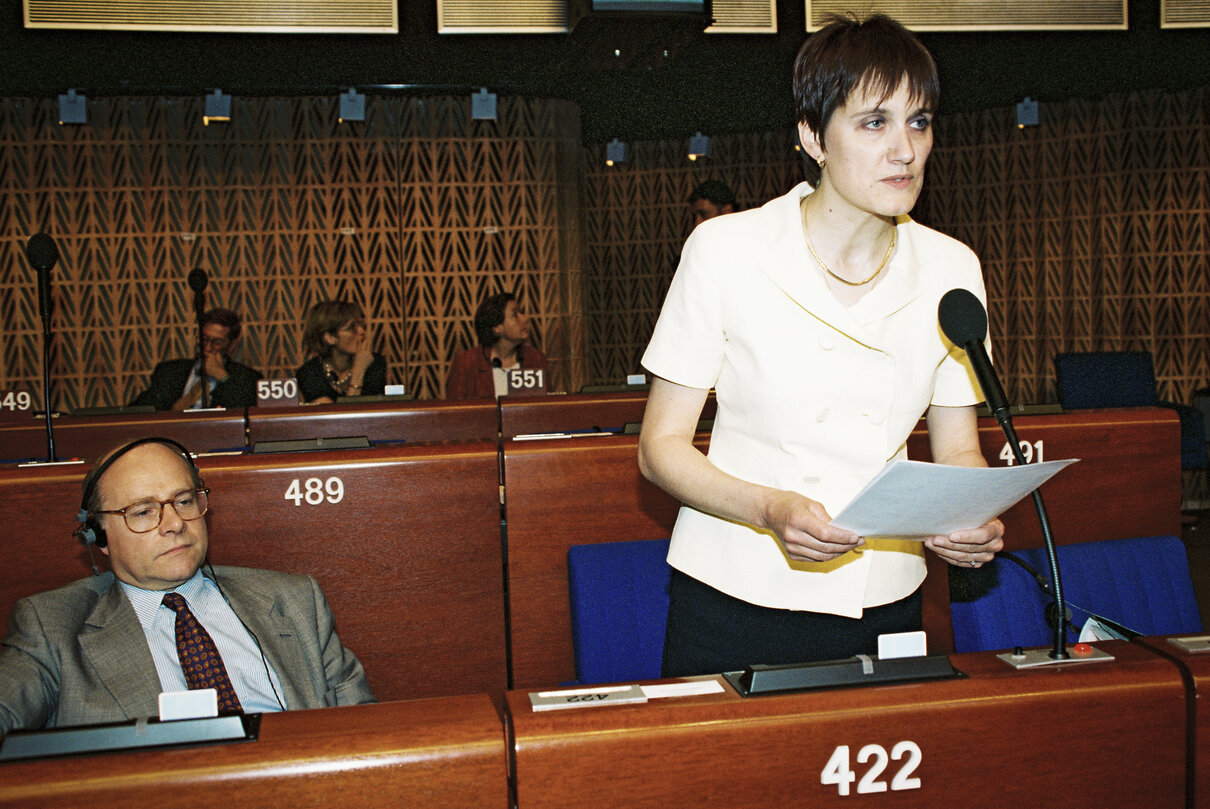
(710, 632)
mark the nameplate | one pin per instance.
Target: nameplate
(277, 392)
(15, 404)
(526, 382)
(139, 734)
(586, 697)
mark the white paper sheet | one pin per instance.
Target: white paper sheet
(915, 500)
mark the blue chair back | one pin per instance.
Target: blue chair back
(1143, 584)
(619, 609)
(1106, 379)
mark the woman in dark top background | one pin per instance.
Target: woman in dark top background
(342, 363)
(502, 329)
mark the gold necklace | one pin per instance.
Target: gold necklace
(845, 281)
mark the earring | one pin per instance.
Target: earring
(820, 160)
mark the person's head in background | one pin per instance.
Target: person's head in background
(334, 330)
(500, 325)
(855, 60)
(220, 330)
(710, 199)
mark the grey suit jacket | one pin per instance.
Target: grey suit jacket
(77, 655)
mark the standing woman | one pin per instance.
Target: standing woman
(502, 330)
(341, 362)
(814, 318)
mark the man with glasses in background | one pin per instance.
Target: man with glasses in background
(177, 384)
(103, 648)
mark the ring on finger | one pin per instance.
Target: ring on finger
(974, 563)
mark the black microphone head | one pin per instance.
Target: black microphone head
(962, 317)
(41, 252)
(496, 363)
(198, 280)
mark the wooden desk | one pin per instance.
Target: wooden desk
(577, 412)
(377, 421)
(564, 492)
(559, 493)
(1083, 735)
(446, 752)
(1127, 483)
(409, 554)
(90, 436)
(1197, 666)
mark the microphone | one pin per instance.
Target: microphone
(198, 280)
(42, 254)
(496, 363)
(964, 321)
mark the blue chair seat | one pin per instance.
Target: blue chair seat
(619, 609)
(1142, 583)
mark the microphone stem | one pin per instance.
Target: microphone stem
(1059, 652)
(46, 339)
(199, 307)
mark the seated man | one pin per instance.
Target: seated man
(710, 199)
(177, 384)
(103, 648)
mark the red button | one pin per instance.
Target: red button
(1081, 650)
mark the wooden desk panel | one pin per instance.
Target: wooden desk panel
(38, 508)
(410, 558)
(582, 490)
(1127, 483)
(1197, 666)
(377, 421)
(415, 539)
(446, 752)
(88, 437)
(579, 412)
(1084, 735)
(559, 493)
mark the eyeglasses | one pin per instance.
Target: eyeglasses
(145, 515)
(353, 325)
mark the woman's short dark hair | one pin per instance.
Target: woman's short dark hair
(489, 315)
(847, 54)
(326, 317)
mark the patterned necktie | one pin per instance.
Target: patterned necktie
(199, 656)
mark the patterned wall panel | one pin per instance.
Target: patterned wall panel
(1093, 229)
(416, 214)
(636, 218)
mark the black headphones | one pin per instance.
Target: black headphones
(91, 532)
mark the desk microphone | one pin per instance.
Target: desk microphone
(197, 282)
(43, 254)
(964, 321)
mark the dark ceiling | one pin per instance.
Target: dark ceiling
(711, 83)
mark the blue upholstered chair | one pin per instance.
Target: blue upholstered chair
(1126, 379)
(1143, 584)
(619, 609)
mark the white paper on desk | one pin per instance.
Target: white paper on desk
(914, 499)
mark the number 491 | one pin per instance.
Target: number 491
(1027, 449)
(837, 771)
